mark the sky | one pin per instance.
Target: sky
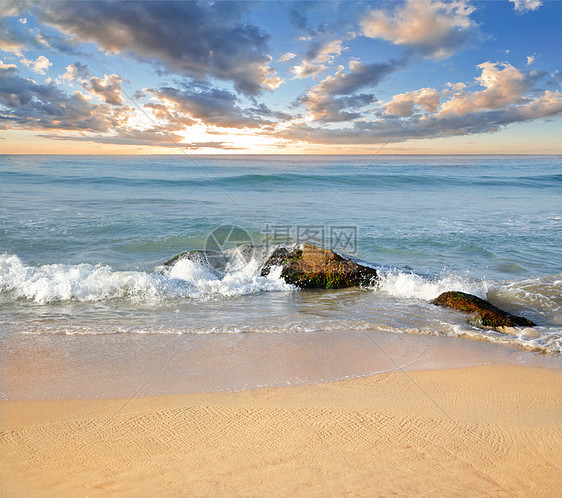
(277, 77)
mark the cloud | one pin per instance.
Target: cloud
(108, 88)
(555, 80)
(287, 57)
(3, 65)
(76, 72)
(522, 6)
(404, 104)
(530, 59)
(213, 106)
(360, 76)
(318, 54)
(324, 51)
(307, 70)
(17, 36)
(298, 15)
(332, 99)
(12, 40)
(509, 96)
(199, 40)
(26, 104)
(40, 65)
(503, 85)
(434, 28)
(151, 137)
(432, 126)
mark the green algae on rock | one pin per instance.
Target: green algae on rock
(487, 315)
(317, 268)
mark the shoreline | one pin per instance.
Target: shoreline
(125, 365)
(492, 429)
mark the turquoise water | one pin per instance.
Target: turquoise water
(81, 238)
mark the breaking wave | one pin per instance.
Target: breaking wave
(198, 277)
(89, 283)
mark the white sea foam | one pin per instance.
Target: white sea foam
(401, 284)
(86, 282)
(539, 299)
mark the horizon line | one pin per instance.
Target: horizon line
(281, 154)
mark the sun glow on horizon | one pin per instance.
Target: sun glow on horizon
(352, 79)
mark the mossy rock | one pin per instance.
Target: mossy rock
(484, 313)
(315, 268)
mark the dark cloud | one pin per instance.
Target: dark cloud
(391, 129)
(28, 104)
(215, 107)
(298, 16)
(360, 76)
(263, 111)
(77, 71)
(197, 39)
(337, 109)
(17, 37)
(151, 137)
(13, 39)
(108, 88)
(330, 100)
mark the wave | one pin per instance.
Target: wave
(237, 272)
(539, 297)
(89, 283)
(205, 276)
(253, 180)
(408, 285)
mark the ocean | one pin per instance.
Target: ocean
(88, 311)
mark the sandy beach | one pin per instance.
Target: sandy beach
(487, 430)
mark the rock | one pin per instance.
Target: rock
(182, 255)
(314, 267)
(487, 315)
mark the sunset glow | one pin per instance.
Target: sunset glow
(413, 77)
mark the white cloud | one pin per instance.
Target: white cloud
(307, 69)
(3, 65)
(436, 28)
(39, 65)
(76, 71)
(530, 59)
(317, 57)
(522, 6)
(549, 104)
(403, 104)
(456, 87)
(329, 51)
(287, 57)
(503, 85)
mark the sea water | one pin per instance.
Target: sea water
(87, 308)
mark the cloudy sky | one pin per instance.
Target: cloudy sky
(413, 76)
